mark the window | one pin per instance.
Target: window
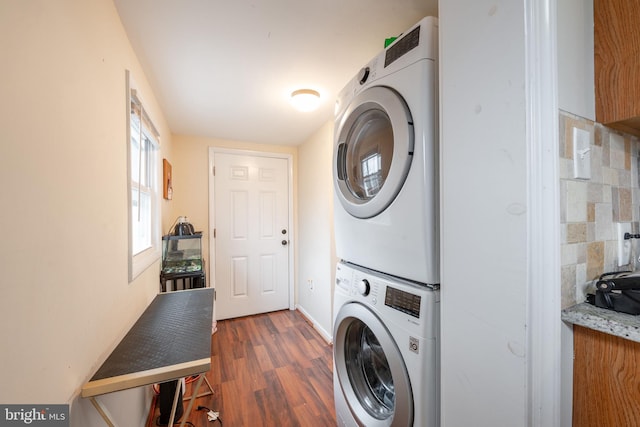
(372, 178)
(144, 184)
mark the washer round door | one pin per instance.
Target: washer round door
(373, 151)
(371, 371)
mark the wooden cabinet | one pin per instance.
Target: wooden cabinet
(617, 63)
(606, 380)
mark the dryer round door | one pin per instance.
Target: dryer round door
(373, 151)
(370, 369)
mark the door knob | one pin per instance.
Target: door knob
(284, 242)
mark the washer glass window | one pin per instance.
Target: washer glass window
(369, 371)
(369, 153)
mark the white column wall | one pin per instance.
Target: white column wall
(483, 213)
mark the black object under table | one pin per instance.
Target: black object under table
(171, 340)
(189, 280)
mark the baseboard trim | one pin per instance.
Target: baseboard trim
(324, 334)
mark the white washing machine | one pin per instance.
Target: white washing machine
(385, 160)
(386, 350)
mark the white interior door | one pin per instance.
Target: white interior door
(252, 236)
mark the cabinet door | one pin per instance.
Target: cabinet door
(606, 380)
(617, 63)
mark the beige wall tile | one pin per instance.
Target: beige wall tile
(590, 208)
(627, 153)
(597, 136)
(576, 233)
(591, 212)
(595, 259)
(576, 201)
(568, 283)
(621, 198)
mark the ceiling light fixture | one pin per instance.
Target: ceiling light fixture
(305, 99)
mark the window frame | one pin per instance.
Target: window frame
(139, 262)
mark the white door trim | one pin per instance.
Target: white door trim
(543, 249)
(290, 222)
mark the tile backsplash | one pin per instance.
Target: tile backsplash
(591, 208)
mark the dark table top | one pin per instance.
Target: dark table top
(172, 339)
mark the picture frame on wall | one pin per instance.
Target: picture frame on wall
(167, 188)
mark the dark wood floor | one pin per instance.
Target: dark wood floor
(271, 369)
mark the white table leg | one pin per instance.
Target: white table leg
(194, 392)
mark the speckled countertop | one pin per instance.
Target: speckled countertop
(607, 321)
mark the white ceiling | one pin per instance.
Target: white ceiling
(225, 69)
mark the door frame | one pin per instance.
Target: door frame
(212, 213)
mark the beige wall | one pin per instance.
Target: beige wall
(316, 247)
(190, 167)
(66, 300)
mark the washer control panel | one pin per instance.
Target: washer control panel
(353, 283)
(405, 302)
(365, 287)
(410, 306)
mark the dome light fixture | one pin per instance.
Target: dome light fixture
(305, 99)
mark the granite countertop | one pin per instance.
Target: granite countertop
(608, 321)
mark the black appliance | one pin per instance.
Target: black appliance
(183, 227)
(165, 402)
(619, 291)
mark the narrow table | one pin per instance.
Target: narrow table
(171, 340)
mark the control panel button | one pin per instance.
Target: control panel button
(363, 287)
(363, 75)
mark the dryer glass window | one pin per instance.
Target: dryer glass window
(369, 371)
(369, 154)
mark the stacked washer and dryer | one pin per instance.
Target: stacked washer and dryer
(386, 304)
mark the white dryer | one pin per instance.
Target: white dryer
(386, 350)
(385, 160)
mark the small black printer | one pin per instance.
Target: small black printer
(619, 291)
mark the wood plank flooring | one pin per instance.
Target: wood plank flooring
(270, 369)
